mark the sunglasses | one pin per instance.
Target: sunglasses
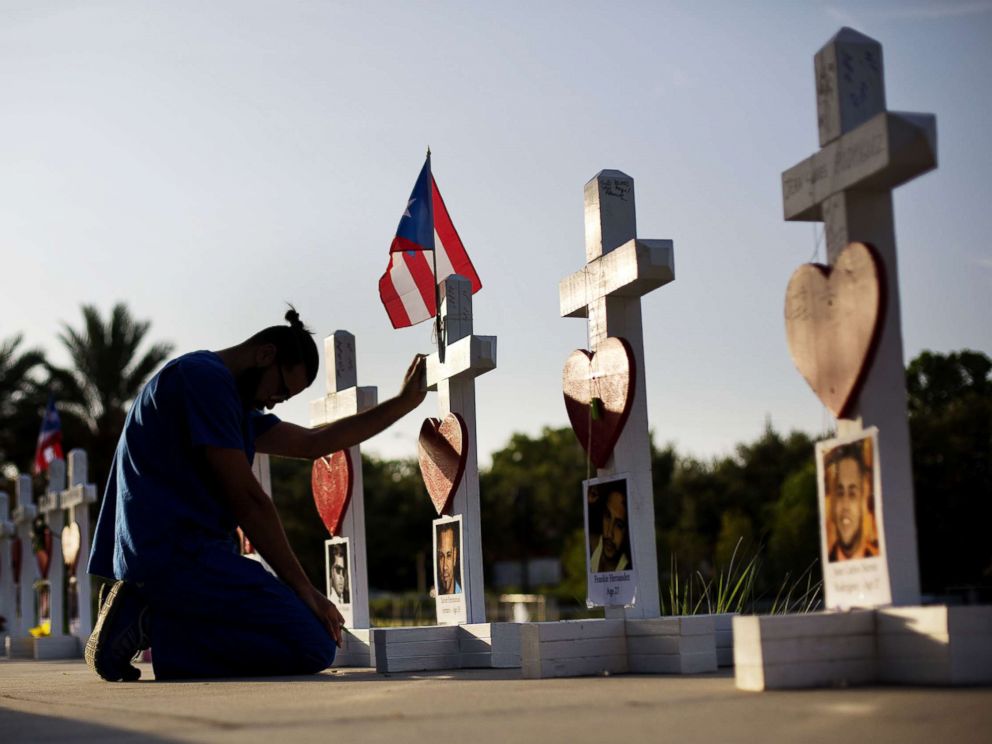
(283, 385)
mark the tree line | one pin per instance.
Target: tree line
(107, 370)
(759, 501)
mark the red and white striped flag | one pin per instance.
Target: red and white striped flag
(407, 288)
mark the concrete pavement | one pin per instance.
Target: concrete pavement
(62, 701)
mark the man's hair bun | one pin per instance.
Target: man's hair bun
(294, 343)
(293, 318)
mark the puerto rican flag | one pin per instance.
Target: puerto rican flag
(49, 439)
(408, 287)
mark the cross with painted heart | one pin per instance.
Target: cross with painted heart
(447, 448)
(842, 319)
(337, 478)
(604, 384)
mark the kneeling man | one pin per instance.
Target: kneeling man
(180, 484)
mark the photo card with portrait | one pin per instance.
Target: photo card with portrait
(449, 579)
(339, 576)
(611, 579)
(852, 538)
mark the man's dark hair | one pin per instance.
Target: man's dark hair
(338, 551)
(624, 548)
(451, 527)
(294, 343)
(851, 451)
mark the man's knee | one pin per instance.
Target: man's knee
(318, 654)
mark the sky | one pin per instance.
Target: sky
(206, 162)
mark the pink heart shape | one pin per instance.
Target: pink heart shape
(599, 393)
(331, 479)
(833, 318)
(443, 451)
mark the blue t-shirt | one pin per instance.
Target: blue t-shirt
(157, 494)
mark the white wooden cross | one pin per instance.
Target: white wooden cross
(866, 151)
(466, 357)
(260, 468)
(76, 500)
(345, 398)
(49, 507)
(8, 599)
(24, 515)
(620, 269)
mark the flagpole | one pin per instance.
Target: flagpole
(438, 325)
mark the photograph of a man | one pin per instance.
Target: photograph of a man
(338, 586)
(448, 541)
(850, 505)
(612, 550)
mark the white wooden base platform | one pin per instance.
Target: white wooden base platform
(663, 645)
(935, 645)
(44, 648)
(817, 650)
(724, 626)
(356, 649)
(440, 647)
(906, 645)
(573, 648)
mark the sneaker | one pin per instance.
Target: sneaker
(121, 631)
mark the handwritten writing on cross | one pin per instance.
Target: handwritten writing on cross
(619, 265)
(621, 268)
(466, 357)
(867, 151)
(344, 396)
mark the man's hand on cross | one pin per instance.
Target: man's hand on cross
(326, 612)
(414, 388)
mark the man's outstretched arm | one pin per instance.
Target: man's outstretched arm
(257, 516)
(289, 440)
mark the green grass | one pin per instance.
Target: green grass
(799, 597)
(732, 589)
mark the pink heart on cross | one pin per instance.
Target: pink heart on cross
(443, 449)
(332, 479)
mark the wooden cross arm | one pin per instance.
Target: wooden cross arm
(347, 402)
(632, 270)
(468, 357)
(78, 495)
(25, 513)
(889, 149)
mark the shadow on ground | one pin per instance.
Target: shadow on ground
(24, 727)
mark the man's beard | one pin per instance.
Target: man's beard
(609, 549)
(247, 383)
(849, 548)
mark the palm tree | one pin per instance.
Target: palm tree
(106, 376)
(20, 394)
